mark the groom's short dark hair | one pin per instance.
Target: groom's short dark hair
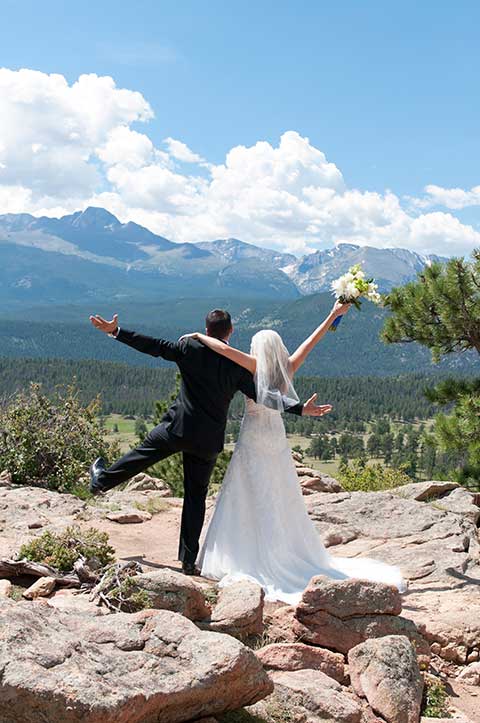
(218, 323)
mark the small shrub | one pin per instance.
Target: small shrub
(359, 476)
(211, 595)
(435, 698)
(256, 642)
(16, 593)
(61, 550)
(50, 441)
(127, 597)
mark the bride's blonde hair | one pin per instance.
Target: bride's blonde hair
(273, 376)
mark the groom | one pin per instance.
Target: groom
(194, 424)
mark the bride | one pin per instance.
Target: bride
(260, 529)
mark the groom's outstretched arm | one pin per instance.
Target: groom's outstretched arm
(169, 350)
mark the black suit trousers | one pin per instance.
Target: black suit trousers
(197, 470)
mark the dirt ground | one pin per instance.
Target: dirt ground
(154, 544)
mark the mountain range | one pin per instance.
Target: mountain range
(91, 256)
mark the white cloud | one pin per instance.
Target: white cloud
(49, 130)
(453, 198)
(64, 147)
(181, 151)
(126, 147)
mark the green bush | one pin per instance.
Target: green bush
(435, 698)
(128, 598)
(61, 550)
(50, 441)
(360, 476)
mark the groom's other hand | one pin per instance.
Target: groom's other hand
(108, 327)
(310, 409)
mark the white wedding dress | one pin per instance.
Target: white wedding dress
(260, 529)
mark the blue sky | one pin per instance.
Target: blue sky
(388, 91)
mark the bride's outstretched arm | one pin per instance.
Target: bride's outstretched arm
(220, 347)
(299, 356)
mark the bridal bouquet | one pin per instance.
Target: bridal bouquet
(350, 287)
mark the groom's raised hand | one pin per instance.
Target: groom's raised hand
(108, 327)
(310, 409)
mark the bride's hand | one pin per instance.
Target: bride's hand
(339, 309)
(194, 335)
(310, 409)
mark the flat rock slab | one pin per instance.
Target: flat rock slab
(151, 667)
(298, 656)
(128, 517)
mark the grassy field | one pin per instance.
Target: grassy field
(125, 436)
(127, 439)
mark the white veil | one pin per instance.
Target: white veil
(273, 377)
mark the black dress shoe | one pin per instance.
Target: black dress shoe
(96, 487)
(189, 568)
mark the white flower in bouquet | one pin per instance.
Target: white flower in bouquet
(351, 286)
(351, 291)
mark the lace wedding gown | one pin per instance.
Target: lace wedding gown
(260, 529)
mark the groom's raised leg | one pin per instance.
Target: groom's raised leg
(197, 472)
(156, 446)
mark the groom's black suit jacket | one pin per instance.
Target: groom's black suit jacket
(209, 381)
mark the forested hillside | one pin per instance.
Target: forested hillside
(123, 389)
(133, 390)
(355, 349)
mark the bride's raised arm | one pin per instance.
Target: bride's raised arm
(220, 347)
(298, 357)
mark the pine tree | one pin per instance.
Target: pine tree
(441, 310)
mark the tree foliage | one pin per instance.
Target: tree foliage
(441, 310)
(50, 441)
(359, 476)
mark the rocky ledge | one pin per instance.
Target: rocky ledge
(148, 667)
(430, 531)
